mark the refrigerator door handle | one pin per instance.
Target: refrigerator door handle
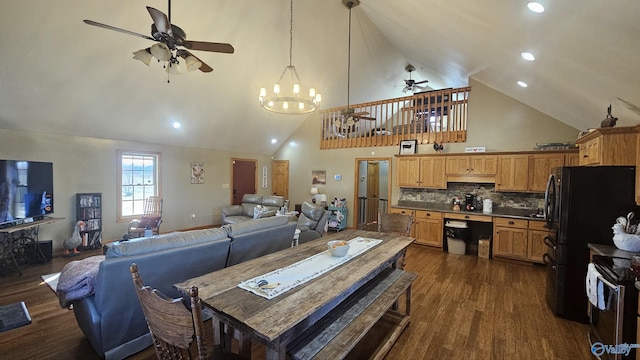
(550, 200)
(549, 261)
(550, 242)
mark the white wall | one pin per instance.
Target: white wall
(89, 165)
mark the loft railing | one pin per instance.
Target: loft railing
(438, 116)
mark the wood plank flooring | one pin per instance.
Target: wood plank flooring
(463, 307)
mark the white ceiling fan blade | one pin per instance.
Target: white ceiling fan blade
(160, 20)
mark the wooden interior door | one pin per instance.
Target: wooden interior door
(280, 178)
(244, 178)
(373, 191)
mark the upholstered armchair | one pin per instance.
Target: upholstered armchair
(312, 222)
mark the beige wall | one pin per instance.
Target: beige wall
(89, 165)
(495, 120)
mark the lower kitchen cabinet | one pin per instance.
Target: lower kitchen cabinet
(428, 229)
(536, 246)
(510, 238)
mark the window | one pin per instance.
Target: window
(138, 178)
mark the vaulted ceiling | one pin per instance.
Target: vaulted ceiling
(60, 75)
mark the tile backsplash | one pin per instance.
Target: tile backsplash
(513, 200)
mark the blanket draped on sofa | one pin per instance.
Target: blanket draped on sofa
(78, 280)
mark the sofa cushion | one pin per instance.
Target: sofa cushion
(232, 210)
(312, 212)
(254, 225)
(252, 199)
(162, 242)
(273, 201)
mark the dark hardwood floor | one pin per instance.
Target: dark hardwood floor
(463, 307)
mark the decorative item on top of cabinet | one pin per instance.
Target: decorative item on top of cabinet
(608, 146)
(421, 171)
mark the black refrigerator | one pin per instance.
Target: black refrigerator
(582, 204)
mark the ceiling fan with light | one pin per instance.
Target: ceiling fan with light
(349, 115)
(410, 84)
(170, 43)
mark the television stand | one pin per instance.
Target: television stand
(19, 244)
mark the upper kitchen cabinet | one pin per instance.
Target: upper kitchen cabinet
(513, 173)
(608, 146)
(480, 167)
(540, 166)
(422, 171)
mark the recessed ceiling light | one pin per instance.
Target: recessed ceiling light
(535, 7)
(527, 56)
(273, 141)
(522, 83)
(176, 125)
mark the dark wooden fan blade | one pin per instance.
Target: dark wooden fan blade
(109, 27)
(208, 46)
(160, 20)
(364, 117)
(204, 67)
(421, 82)
(359, 113)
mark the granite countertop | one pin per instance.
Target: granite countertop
(441, 207)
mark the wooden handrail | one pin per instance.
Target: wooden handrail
(433, 116)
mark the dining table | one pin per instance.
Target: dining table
(277, 322)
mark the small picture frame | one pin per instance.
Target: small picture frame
(408, 147)
(197, 172)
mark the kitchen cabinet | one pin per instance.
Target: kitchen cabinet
(510, 238)
(479, 165)
(513, 173)
(535, 241)
(422, 171)
(608, 146)
(572, 159)
(428, 228)
(540, 166)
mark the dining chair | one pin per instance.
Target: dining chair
(173, 327)
(397, 224)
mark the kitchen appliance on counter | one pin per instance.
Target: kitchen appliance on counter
(581, 204)
(613, 321)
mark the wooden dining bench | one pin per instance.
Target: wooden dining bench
(366, 314)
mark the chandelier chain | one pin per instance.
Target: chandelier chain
(291, 36)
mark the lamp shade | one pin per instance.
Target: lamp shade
(161, 51)
(174, 69)
(192, 63)
(143, 55)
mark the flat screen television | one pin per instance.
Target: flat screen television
(26, 191)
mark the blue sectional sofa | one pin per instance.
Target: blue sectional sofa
(112, 319)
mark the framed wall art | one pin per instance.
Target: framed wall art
(408, 146)
(197, 172)
(319, 177)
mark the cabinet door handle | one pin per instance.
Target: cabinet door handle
(466, 216)
(511, 222)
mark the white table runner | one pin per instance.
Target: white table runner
(280, 280)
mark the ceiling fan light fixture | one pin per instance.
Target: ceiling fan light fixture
(160, 51)
(174, 68)
(192, 63)
(278, 102)
(144, 55)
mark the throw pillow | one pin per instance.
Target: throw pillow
(260, 211)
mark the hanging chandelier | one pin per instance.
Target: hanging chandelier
(287, 99)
